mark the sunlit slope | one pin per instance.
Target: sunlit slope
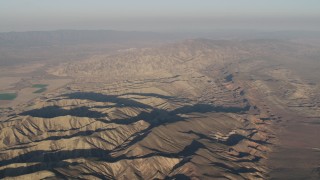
(197, 109)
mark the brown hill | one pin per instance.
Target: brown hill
(197, 109)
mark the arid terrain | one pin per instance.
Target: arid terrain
(190, 109)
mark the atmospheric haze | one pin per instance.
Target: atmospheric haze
(178, 15)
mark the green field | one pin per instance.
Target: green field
(42, 87)
(39, 85)
(40, 90)
(8, 96)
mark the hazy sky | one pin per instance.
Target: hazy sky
(159, 15)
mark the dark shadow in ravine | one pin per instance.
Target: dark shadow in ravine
(235, 170)
(155, 117)
(158, 114)
(151, 95)
(97, 97)
(18, 171)
(56, 111)
(178, 177)
(77, 134)
(154, 95)
(54, 159)
(232, 140)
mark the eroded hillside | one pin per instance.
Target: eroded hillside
(197, 109)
